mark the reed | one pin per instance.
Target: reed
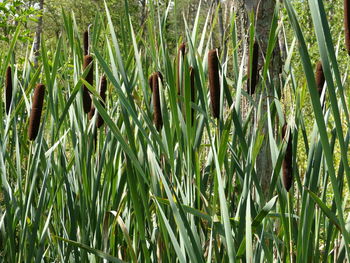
(319, 76)
(347, 24)
(8, 89)
(157, 112)
(287, 161)
(90, 79)
(35, 115)
(180, 57)
(214, 82)
(86, 42)
(253, 79)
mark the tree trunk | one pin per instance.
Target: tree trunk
(38, 32)
(263, 13)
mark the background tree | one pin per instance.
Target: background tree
(13, 14)
(38, 32)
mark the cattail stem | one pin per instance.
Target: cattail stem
(290, 212)
(8, 89)
(253, 79)
(35, 115)
(86, 42)
(180, 58)
(214, 82)
(157, 112)
(90, 79)
(347, 24)
(287, 161)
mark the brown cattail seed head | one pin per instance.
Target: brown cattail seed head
(91, 113)
(90, 79)
(86, 43)
(193, 95)
(37, 105)
(8, 89)
(103, 89)
(180, 56)
(347, 24)
(150, 81)
(157, 113)
(253, 79)
(287, 161)
(214, 82)
(319, 77)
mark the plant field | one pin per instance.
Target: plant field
(117, 147)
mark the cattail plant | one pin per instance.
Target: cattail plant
(35, 115)
(180, 56)
(347, 24)
(8, 89)
(192, 90)
(86, 42)
(157, 112)
(320, 79)
(103, 89)
(91, 113)
(214, 82)
(89, 78)
(287, 161)
(150, 82)
(253, 76)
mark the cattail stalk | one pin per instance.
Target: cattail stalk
(193, 95)
(180, 57)
(319, 76)
(287, 161)
(253, 79)
(157, 112)
(90, 79)
(8, 89)
(35, 115)
(86, 42)
(347, 24)
(214, 82)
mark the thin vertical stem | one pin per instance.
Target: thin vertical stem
(290, 227)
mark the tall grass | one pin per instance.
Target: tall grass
(183, 189)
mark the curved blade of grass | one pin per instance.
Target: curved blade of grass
(324, 208)
(96, 252)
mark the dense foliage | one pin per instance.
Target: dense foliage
(127, 145)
